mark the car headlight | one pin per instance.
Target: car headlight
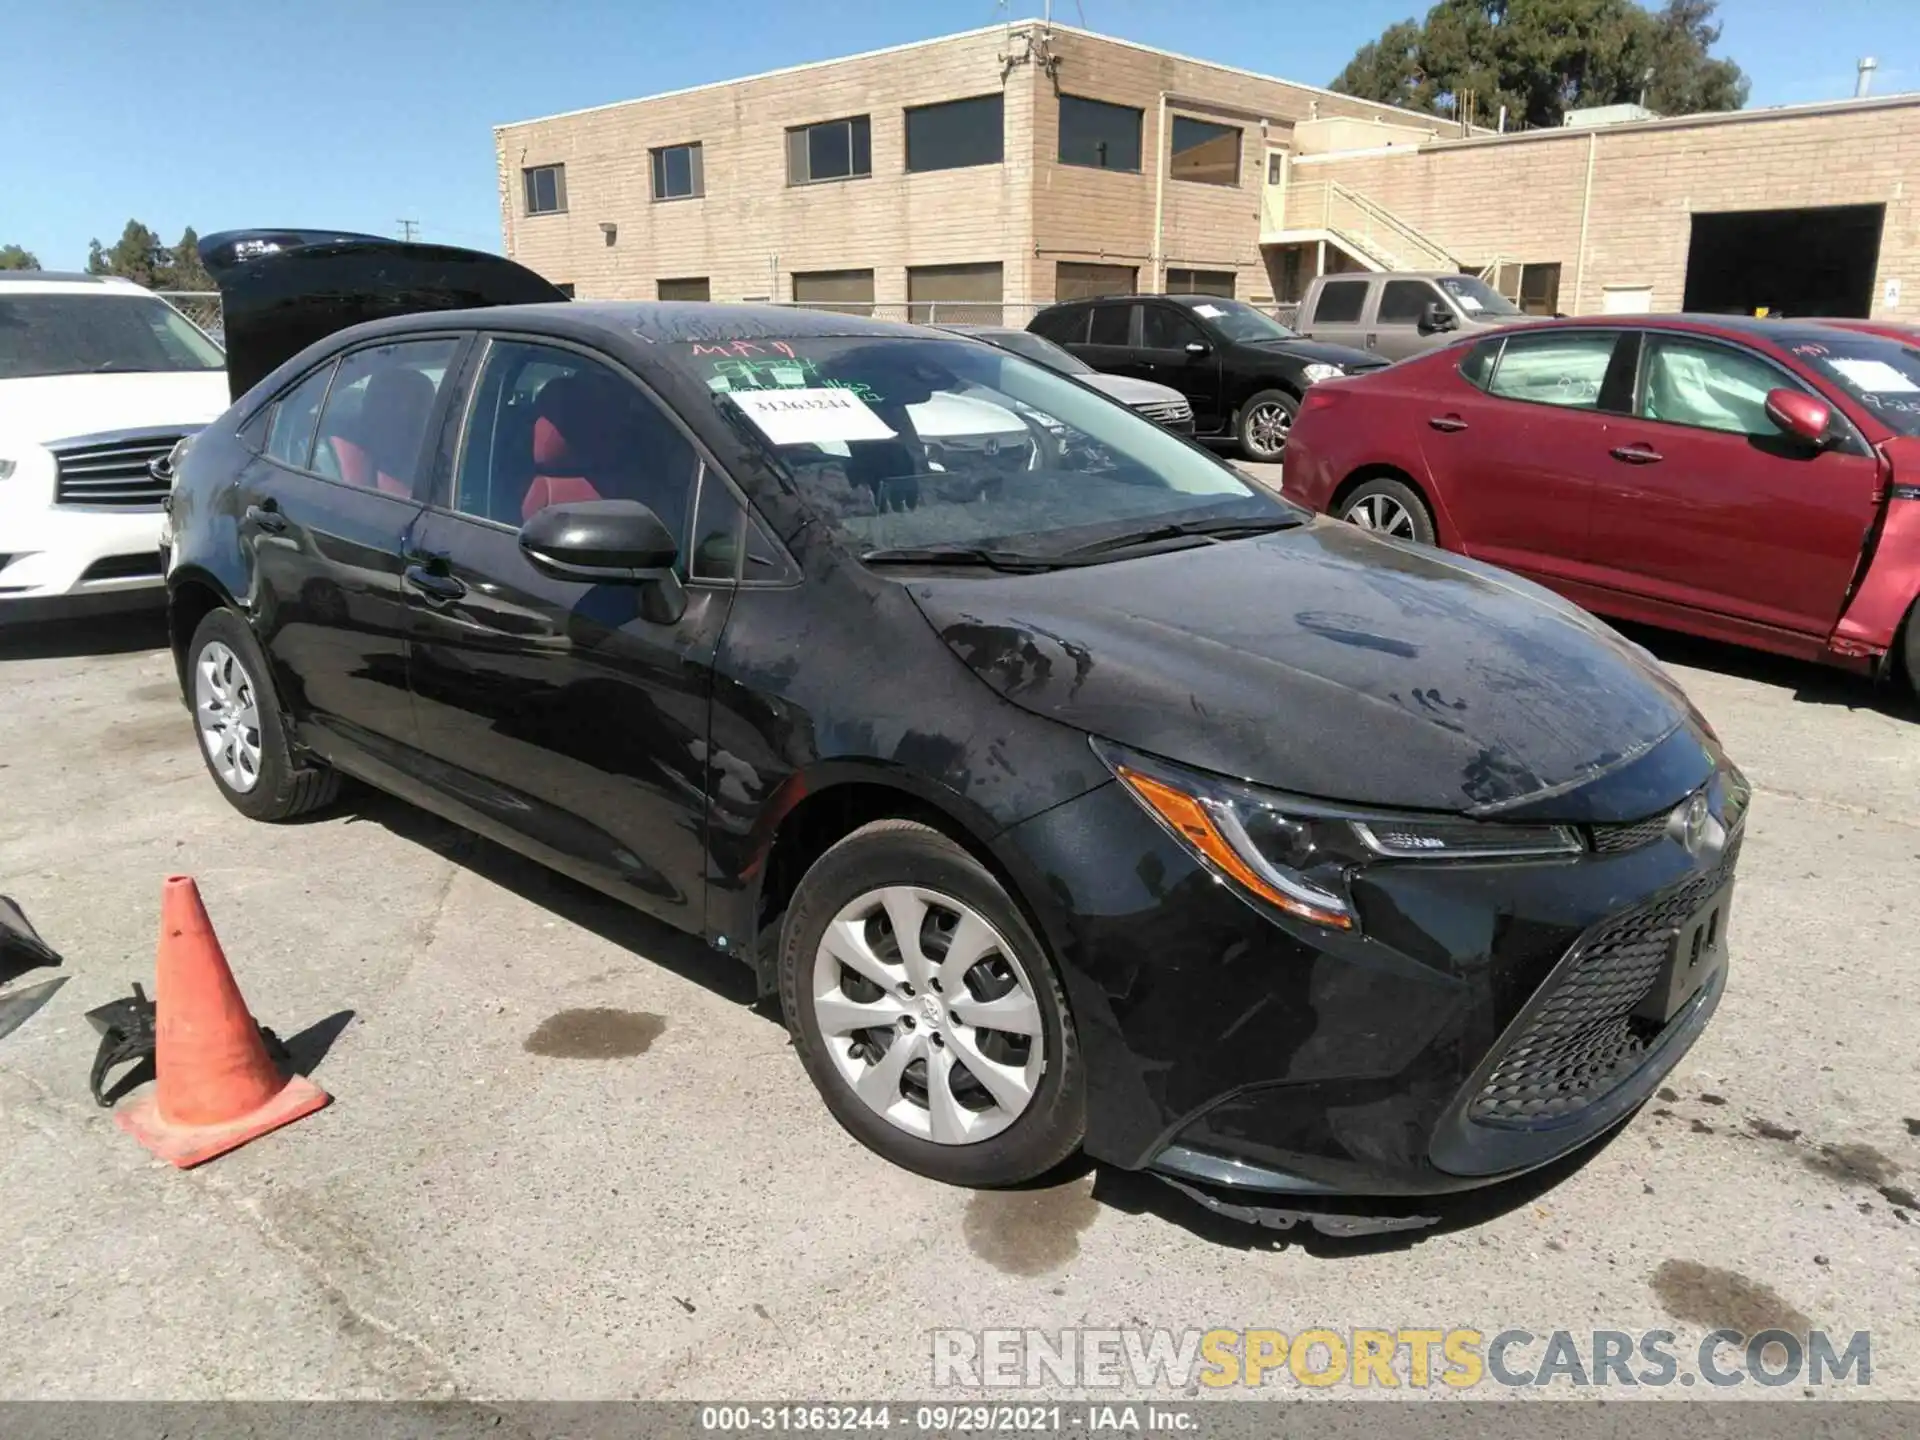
(1298, 855)
(1320, 370)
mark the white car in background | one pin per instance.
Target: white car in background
(99, 380)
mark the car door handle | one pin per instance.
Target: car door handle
(1449, 423)
(433, 584)
(266, 518)
(1637, 454)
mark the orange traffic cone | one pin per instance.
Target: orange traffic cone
(215, 1089)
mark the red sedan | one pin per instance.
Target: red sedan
(1751, 481)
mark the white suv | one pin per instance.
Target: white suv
(99, 379)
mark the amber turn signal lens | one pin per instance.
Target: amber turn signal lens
(1191, 822)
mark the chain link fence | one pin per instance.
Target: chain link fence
(202, 307)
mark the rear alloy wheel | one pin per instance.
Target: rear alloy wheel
(926, 1013)
(1388, 507)
(1266, 420)
(236, 717)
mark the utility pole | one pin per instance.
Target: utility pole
(407, 227)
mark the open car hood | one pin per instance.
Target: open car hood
(1326, 663)
(281, 290)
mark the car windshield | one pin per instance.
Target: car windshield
(1476, 297)
(1238, 320)
(901, 444)
(82, 334)
(1038, 349)
(1882, 375)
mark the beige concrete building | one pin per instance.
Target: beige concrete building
(1010, 166)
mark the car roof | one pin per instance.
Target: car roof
(662, 321)
(65, 282)
(1781, 333)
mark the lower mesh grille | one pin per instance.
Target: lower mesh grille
(1584, 1038)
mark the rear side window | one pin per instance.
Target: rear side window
(1067, 326)
(1340, 302)
(1561, 368)
(1403, 302)
(374, 427)
(290, 431)
(1476, 366)
(1112, 325)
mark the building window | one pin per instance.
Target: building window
(1200, 282)
(956, 134)
(831, 150)
(1204, 152)
(954, 294)
(546, 187)
(1098, 135)
(694, 289)
(1540, 289)
(1276, 167)
(678, 173)
(1076, 280)
(847, 291)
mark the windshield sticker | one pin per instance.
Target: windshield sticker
(1468, 302)
(1212, 312)
(780, 372)
(810, 416)
(1876, 377)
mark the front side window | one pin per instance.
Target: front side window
(955, 134)
(1566, 368)
(679, 173)
(830, 150)
(1099, 136)
(909, 442)
(295, 416)
(1204, 152)
(374, 428)
(549, 426)
(546, 189)
(1405, 302)
(1707, 386)
(83, 334)
(1340, 302)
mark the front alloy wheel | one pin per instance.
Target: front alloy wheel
(928, 1015)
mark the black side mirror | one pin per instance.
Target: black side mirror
(1197, 348)
(1437, 318)
(607, 542)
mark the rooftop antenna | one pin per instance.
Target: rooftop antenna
(1865, 83)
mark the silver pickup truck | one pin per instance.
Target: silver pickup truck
(1403, 313)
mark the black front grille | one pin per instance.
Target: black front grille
(1583, 1038)
(1614, 839)
(112, 473)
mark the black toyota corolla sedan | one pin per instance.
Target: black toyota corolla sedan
(1068, 790)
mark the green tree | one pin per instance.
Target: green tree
(1541, 58)
(137, 255)
(18, 257)
(184, 271)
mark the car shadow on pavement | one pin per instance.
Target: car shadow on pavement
(1810, 683)
(646, 938)
(1139, 1193)
(123, 633)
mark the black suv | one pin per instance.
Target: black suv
(1242, 370)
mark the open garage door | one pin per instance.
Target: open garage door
(1817, 261)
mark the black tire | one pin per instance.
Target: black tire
(1910, 649)
(902, 852)
(1387, 499)
(285, 787)
(1263, 425)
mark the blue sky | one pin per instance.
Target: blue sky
(355, 114)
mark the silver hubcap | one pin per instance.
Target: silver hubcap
(226, 707)
(1267, 428)
(928, 1015)
(1382, 513)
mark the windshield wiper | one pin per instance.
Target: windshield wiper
(1216, 528)
(1014, 561)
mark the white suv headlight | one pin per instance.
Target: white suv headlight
(1320, 370)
